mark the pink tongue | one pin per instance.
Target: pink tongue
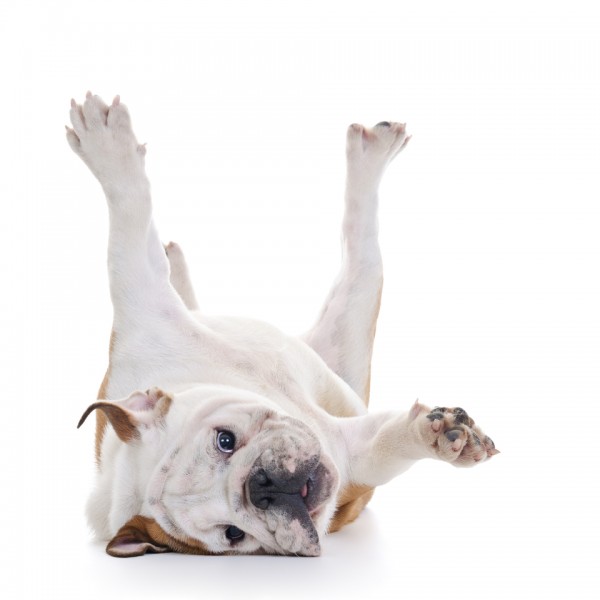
(304, 491)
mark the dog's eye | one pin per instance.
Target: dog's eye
(226, 442)
(234, 534)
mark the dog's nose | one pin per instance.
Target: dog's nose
(277, 490)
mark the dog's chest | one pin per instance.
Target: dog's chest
(235, 352)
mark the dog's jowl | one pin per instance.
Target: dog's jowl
(211, 439)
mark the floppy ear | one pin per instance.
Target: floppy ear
(141, 409)
(141, 535)
(135, 539)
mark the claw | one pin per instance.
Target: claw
(73, 103)
(490, 447)
(88, 94)
(117, 100)
(408, 138)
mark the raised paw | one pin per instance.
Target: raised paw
(377, 145)
(453, 436)
(103, 138)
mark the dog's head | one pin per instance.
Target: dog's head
(215, 470)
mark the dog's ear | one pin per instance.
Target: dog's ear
(141, 535)
(135, 538)
(141, 409)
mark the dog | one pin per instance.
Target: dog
(245, 440)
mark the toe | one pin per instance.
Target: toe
(490, 447)
(118, 115)
(73, 139)
(95, 111)
(77, 119)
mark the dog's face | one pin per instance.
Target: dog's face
(234, 475)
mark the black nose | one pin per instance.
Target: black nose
(276, 490)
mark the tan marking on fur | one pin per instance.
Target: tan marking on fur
(186, 545)
(151, 537)
(351, 501)
(163, 404)
(101, 420)
(101, 423)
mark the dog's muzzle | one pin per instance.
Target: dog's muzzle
(282, 490)
(292, 494)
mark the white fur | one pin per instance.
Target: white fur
(270, 389)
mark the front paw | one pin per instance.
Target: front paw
(103, 138)
(452, 436)
(370, 150)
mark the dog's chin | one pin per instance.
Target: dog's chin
(317, 496)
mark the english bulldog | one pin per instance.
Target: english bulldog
(225, 435)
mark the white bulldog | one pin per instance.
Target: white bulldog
(262, 442)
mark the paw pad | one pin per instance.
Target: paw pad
(455, 437)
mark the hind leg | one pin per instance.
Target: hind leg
(345, 330)
(179, 277)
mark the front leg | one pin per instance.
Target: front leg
(150, 319)
(103, 138)
(382, 446)
(138, 266)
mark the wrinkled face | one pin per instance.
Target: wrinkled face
(244, 478)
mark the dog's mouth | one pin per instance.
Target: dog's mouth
(308, 493)
(314, 495)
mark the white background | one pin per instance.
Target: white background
(490, 232)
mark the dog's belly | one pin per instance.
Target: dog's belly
(243, 353)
